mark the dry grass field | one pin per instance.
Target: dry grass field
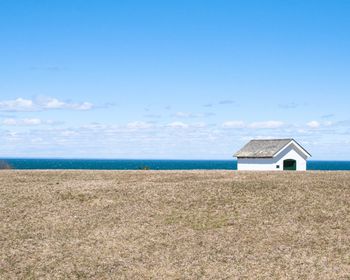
(174, 225)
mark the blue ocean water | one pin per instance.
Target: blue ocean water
(125, 164)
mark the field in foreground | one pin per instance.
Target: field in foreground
(174, 225)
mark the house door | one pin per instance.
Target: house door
(290, 164)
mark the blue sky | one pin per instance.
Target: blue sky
(172, 79)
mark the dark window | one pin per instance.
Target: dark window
(277, 166)
(289, 164)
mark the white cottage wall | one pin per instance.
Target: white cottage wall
(270, 164)
(292, 152)
(256, 164)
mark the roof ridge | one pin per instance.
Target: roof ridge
(274, 139)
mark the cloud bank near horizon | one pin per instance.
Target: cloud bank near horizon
(178, 136)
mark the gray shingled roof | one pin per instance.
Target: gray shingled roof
(262, 148)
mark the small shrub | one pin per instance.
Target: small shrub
(145, 167)
(4, 165)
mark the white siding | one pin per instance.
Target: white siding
(268, 164)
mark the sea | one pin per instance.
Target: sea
(139, 164)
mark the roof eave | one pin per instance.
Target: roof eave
(252, 157)
(291, 141)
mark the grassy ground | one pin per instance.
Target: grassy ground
(174, 225)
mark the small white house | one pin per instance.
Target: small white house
(272, 154)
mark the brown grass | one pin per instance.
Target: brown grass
(174, 225)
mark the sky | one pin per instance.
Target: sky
(178, 79)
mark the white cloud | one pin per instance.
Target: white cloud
(267, 125)
(254, 125)
(233, 124)
(317, 124)
(53, 103)
(177, 125)
(9, 122)
(19, 104)
(69, 133)
(183, 114)
(26, 122)
(313, 124)
(139, 125)
(82, 107)
(42, 103)
(193, 115)
(33, 121)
